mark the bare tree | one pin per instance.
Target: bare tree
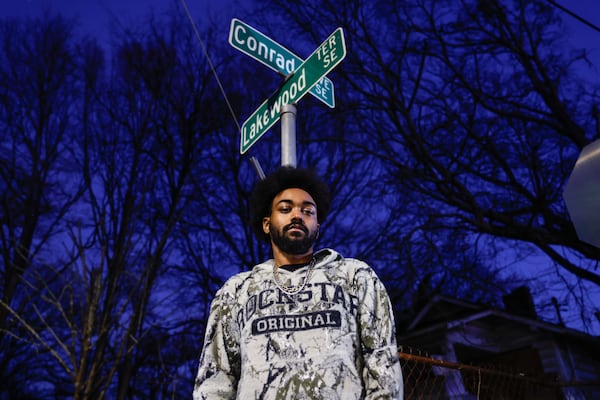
(476, 114)
(38, 184)
(99, 310)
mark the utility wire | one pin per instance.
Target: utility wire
(253, 160)
(212, 68)
(577, 17)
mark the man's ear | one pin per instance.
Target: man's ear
(266, 224)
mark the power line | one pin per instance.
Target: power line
(576, 16)
(212, 68)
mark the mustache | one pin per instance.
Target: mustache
(296, 224)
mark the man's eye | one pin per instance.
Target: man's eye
(284, 210)
(308, 211)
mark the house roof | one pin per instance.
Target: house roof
(442, 313)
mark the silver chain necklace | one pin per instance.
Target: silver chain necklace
(293, 289)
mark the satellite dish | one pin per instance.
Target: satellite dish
(582, 194)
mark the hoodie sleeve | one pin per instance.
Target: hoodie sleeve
(219, 369)
(381, 374)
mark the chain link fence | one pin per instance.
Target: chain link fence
(428, 378)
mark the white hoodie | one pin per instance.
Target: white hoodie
(335, 339)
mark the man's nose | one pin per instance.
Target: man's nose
(297, 213)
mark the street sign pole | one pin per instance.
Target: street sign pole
(288, 135)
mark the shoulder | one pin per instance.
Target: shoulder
(240, 281)
(351, 267)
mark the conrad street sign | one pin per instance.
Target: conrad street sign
(326, 57)
(255, 44)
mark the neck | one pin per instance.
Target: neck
(282, 258)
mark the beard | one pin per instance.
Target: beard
(293, 245)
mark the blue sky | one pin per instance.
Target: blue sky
(95, 15)
(584, 36)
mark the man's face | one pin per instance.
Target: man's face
(293, 224)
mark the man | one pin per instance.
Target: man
(304, 324)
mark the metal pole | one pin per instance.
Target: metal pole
(288, 135)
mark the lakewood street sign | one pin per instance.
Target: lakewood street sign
(265, 50)
(328, 55)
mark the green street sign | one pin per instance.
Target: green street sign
(263, 49)
(326, 57)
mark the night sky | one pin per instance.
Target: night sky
(95, 15)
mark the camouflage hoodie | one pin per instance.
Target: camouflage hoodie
(334, 339)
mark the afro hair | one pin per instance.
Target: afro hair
(284, 178)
